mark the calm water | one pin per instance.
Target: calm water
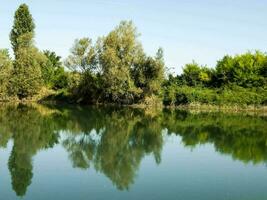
(121, 153)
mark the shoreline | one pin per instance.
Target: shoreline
(256, 109)
(230, 109)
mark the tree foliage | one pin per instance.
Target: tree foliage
(26, 77)
(246, 70)
(116, 69)
(5, 70)
(23, 24)
(236, 80)
(83, 56)
(118, 55)
(53, 72)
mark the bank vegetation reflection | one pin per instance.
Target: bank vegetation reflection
(115, 140)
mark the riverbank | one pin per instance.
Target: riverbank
(51, 97)
(247, 109)
(192, 108)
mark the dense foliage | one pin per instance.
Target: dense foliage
(26, 79)
(5, 70)
(237, 80)
(23, 24)
(31, 70)
(115, 69)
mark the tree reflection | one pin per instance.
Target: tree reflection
(30, 132)
(242, 137)
(118, 147)
(114, 141)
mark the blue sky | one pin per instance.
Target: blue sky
(200, 30)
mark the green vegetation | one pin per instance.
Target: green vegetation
(23, 24)
(53, 72)
(116, 70)
(5, 71)
(239, 80)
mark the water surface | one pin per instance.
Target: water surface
(123, 153)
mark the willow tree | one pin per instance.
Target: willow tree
(119, 52)
(83, 56)
(116, 69)
(148, 75)
(83, 60)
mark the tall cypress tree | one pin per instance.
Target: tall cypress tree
(23, 24)
(26, 78)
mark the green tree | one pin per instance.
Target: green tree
(245, 70)
(154, 73)
(83, 60)
(191, 74)
(53, 58)
(116, 69)
(118, 53)
(197, 75)
(53, 72)
(23, 24)
(83, 56)
(5, 71)
(149, 74)
(49, 68)
(26, 77)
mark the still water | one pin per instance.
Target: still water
(123, 153)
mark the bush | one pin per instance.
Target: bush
(243, 96)
(175, 95)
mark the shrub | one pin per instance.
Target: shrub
(234, 95)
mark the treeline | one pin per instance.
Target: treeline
(115, 69)
(240, 79)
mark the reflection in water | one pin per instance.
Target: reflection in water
(114, 140)
(30, 132)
